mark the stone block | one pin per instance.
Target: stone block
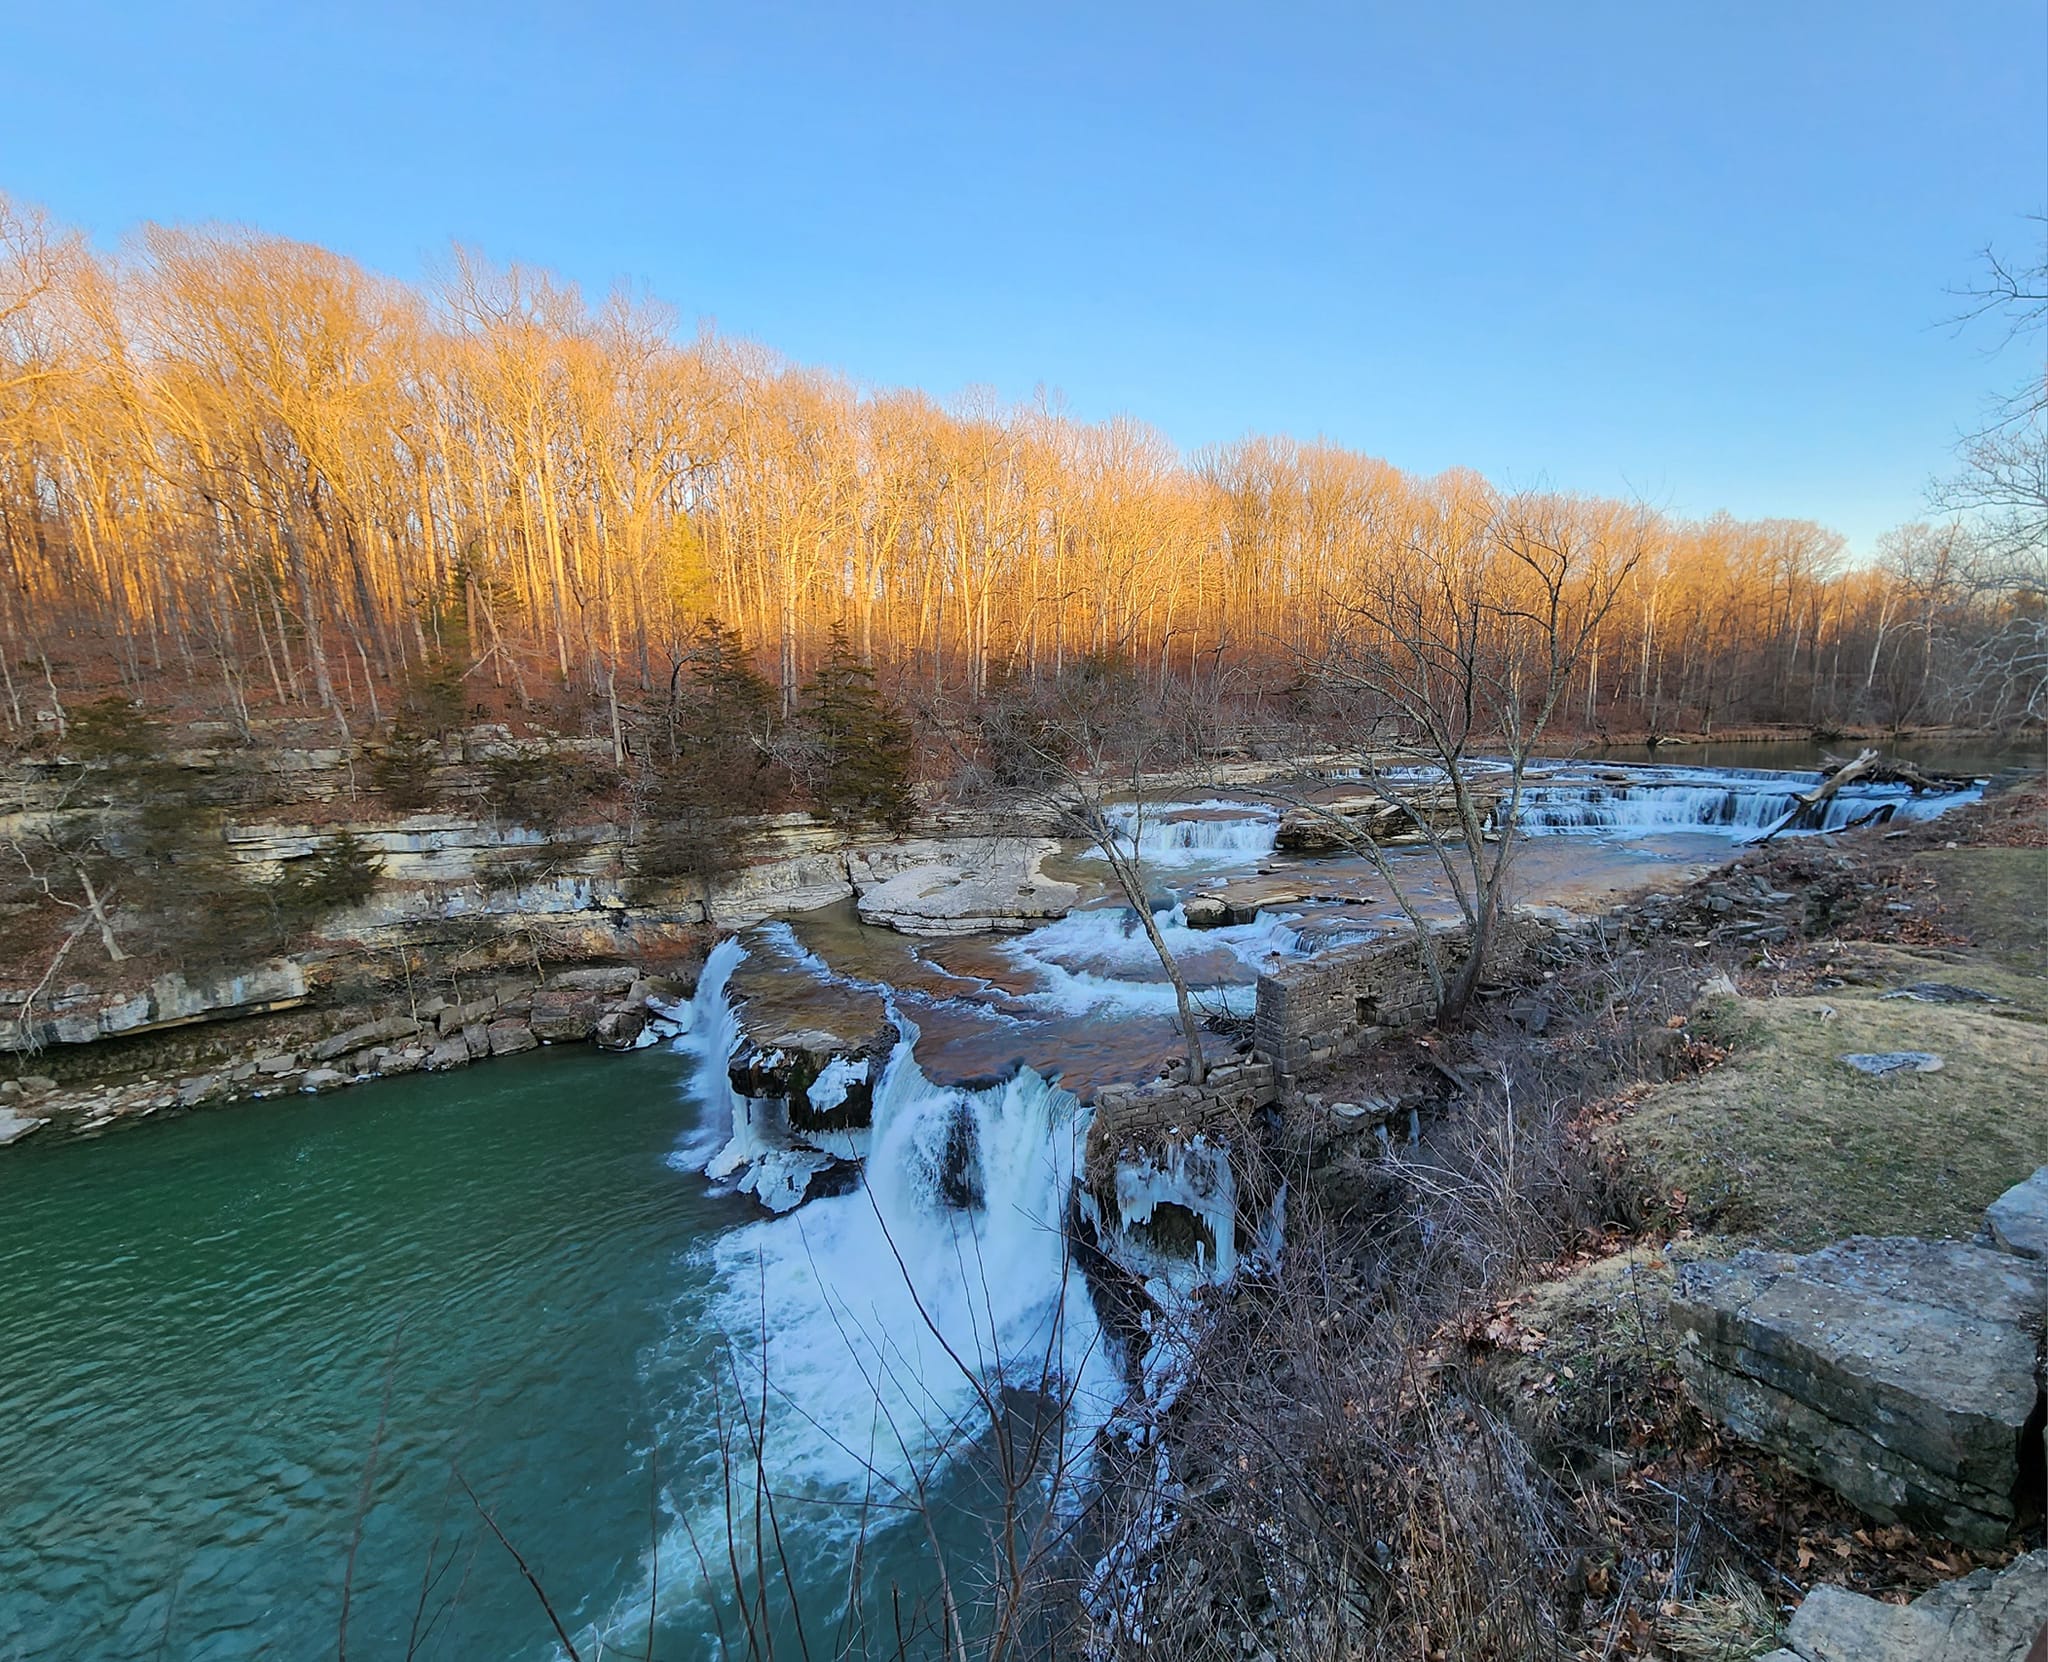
(477, 1036)
(1901, 1373)
(449, 1053)
(560, 1016)
(363, 1035)
(1988, 1616)
(611, 981)
(620, 1028)
(454, 1017)
(2017, 1221)
(508, 1038)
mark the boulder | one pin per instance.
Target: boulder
(201, 1088)
(1988, 1616)
(1883, 1063)
(477, 1036)
(365, 1035)
(1901, 1373)
(784, 1178)
(611, 980)
(15, 1125)
(323, 1079)
(454, 1017)
(1205, 911)
(566, 1015)
(619, 1028)
(283, 1062)
(449, 1053)
(508, 1038)
(2017, 1221)
(826, 1083)
(959, 887)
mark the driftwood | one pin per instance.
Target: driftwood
(1902, 773)
(1808, 808)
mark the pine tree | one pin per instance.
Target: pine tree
(710, 761)
(862, 746)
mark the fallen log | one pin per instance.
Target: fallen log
(1807, 809)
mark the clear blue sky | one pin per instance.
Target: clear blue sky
(1691, 251)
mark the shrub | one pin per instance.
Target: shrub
(402, 768)
(342, 873)
(540, 790)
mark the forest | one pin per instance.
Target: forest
(247, 477)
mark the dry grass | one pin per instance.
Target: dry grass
(1586, 1365)
(1732, 1623)
(1786, 1143)
(1997, 897)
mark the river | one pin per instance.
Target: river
(264, 1371)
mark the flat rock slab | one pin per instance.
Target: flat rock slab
(1942, 992)
(1990, 1616)
(963, 888)
(2017, 1220)
(1884, 1062)
(1901, 1373)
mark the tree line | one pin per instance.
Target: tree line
(249, 472)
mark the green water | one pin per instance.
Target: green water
(203, 1323)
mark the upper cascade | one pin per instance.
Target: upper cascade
(1733, 802)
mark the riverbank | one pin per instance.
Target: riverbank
(1450, 1418)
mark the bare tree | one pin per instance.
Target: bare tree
(1454, 660)
(1077, 750)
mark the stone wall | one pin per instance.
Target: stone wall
(1336, 1005)
(1171, 1182)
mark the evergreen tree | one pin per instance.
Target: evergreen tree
(861, 745)
(710, 761)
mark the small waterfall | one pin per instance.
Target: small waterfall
(1215, 832)
(1100, 960)
(1731, 802)
(709, 1030)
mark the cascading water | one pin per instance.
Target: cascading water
(1184, 834)
(708, 1028)
(1730, 802)
(1102, 960)
(874, 1321)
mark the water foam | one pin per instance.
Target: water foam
(1101, 960)
(1717, 802)
(873, 1322)
(1186, 834)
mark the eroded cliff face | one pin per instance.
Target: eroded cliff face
(465, 947)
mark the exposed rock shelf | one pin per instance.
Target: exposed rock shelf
(1906, 1375)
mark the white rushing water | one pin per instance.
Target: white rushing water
(1745, 802)
(872, 1321)
(1180, 835)
(1101, 960)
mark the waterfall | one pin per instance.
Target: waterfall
(1101, 960)
(1726, 802)
(708, 1028)
(1215, 832)
(872, 1321)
